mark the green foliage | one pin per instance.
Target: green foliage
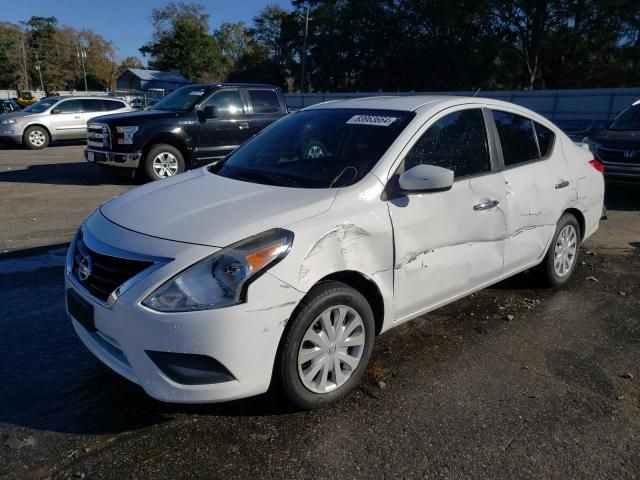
(182, 43)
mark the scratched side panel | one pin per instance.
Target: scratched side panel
(353, 235)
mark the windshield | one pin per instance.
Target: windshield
(182, 99)
(322, 148)
(41, 106)
(629, 119)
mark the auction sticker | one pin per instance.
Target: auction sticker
(371, 120)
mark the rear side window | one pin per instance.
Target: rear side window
(92, 106)
(457, 141)
(517, 138)
(69, 106)
(112, 105)
(264, 101)
(545, 139)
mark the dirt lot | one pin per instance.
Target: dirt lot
(512, 382)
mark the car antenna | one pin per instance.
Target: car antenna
(477, 92)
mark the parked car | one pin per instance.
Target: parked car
(326, 229)
(8, 106)
(55, 118)
(195, 124)
(618, 146)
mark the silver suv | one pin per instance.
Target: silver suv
(56, 118)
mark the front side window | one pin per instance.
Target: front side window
(92, 106)
(322, 148)
(517, 138)
(226, 102)
(264, 101)
(69, 106)
(457, 141)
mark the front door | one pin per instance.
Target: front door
(217, 137)
(450, 242)
(67, 120)
(536, 177)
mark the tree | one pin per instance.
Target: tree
(12, 67)
(181, 42)
(233, 42)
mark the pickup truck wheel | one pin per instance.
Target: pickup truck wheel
(35, 138)
(163, 161)
(562, 257)
(327, 346)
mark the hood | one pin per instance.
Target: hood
(17, 115)
(623, 139)
(203, 208)
(137, 117)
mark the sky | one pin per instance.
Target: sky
(126, 22)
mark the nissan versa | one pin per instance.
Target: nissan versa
(336, 223)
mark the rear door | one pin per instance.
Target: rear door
(67, 120)
(537, 182)
(217, 137)
(265, 108)
(447, 243)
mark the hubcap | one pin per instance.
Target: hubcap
(165, 165)
(37, 138)
(331, 349)
(565, 250)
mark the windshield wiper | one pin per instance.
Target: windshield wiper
(258, 175)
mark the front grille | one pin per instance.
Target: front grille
(616, 155)
(98, 135)
(101, 274)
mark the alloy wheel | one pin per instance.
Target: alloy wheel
(165, 165)
(565, 250)
(37, 138)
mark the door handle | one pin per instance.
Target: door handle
(486, 205)
(77, 116)
(562, 184)
(243, 125)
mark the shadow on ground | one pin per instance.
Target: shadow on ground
(77, 173)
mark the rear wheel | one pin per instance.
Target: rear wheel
(35, 138)
(327, 347)
(163, 161)
(562, 256)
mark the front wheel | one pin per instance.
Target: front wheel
(327, 347)
(35, 138)
(562, 256)
(163, 161)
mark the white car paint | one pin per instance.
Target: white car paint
(420, 251)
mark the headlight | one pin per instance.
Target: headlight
(125, 135)
(222, 279)
(8, 121)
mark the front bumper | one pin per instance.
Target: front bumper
(622, 172)
(10, 137)
(113, 159)
(243, 338)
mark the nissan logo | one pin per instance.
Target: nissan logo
(85, 267)
(629, 154)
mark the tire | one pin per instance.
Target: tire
(329, 299)
(565, 239)
(36, 138)
(163, 161)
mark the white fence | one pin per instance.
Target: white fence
(573, 110)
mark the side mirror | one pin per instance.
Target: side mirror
(56, 111)
(209, 112)
(426, 178)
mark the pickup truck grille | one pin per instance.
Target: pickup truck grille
(98, 135)
(101, 274)
(616, 155)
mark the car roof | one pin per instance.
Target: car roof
(83, 97)
(239, 85)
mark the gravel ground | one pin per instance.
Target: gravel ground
(512, 382)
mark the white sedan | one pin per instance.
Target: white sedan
(328, 228)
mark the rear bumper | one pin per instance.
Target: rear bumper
(112, 159)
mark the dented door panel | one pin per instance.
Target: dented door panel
(443, 245)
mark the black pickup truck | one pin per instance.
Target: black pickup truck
(194, 125)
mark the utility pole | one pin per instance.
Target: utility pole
(25, 70)
(82, 56)
(304, 48)
(39, 70)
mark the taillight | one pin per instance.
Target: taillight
(597, 165)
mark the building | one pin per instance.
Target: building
(139, 80)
